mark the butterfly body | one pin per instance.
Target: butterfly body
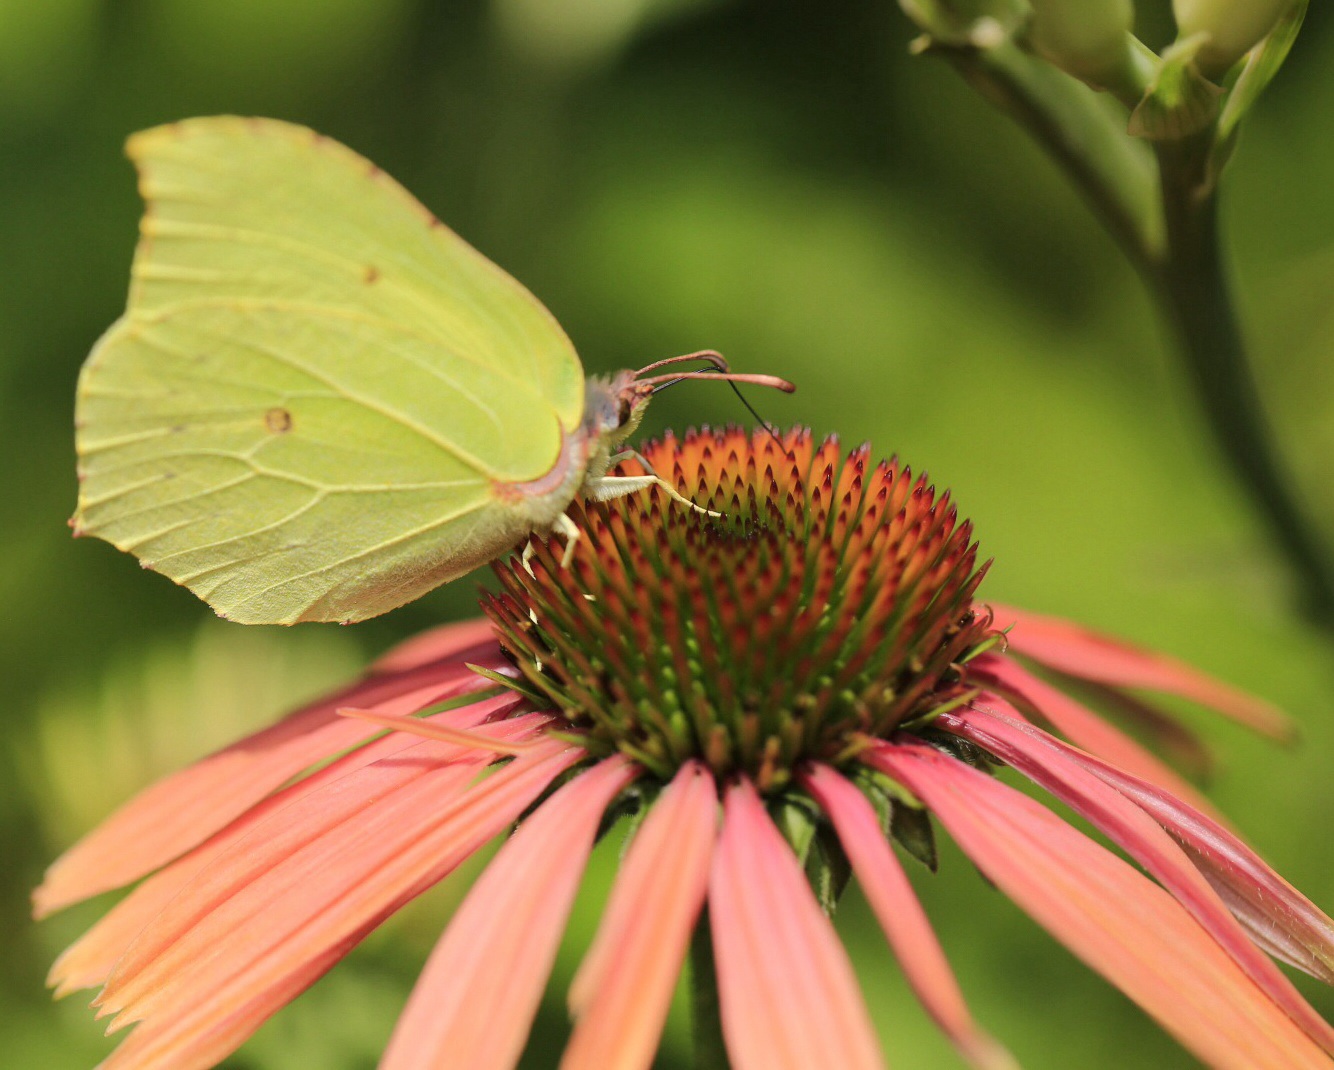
(320, 402)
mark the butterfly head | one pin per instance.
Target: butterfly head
(614, 407)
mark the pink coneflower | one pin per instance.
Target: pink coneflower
(774, 697)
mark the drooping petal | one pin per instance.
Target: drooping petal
(789, 997)
(900, 913)
(1165, 730)
(90, 959)
(399, 826)
(1277, 916)
(1080, 725)
(184, 809)
(474, 1003)
(1114, 918)
(1036, 755)
(623, 989)
(1077, 651)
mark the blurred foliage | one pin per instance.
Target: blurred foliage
(784, 183)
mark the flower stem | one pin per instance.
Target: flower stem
(1170, 235)
(705, 1010)
(1196, 299)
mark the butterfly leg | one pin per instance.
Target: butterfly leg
(567, 527)
(609, 487)
(632, 484)
(563, 526)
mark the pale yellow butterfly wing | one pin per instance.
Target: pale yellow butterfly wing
(317, 390)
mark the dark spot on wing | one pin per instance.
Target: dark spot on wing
(278, 420)
(372, 273)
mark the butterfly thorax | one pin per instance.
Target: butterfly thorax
(613, 409)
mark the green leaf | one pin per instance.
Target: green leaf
(797, 818)
(916, 835)
(632, 806)
(828, 869)
(816, 846)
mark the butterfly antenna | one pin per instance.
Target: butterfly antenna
(763, 422)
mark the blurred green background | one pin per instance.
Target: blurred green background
(782, 182)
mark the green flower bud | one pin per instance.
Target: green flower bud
(1087, 38)
(1233, 27)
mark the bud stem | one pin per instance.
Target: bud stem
(1167, 225)
(1114, 173)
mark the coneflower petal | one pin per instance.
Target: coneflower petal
(341, 858)
(1278, 917)
(474, 1003)
(216, 1007)
(1111, 916)
(184, 809)
(1082, 726)
(1076, 651)
(906, 926)
(789, 997)
(1038, 757)
(623, 989)
(444, 733)
(91, 958)
(182, 1045)
(1164, 729)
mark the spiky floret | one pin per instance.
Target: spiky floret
(830, 603)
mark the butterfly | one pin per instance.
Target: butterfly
(320, 402)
